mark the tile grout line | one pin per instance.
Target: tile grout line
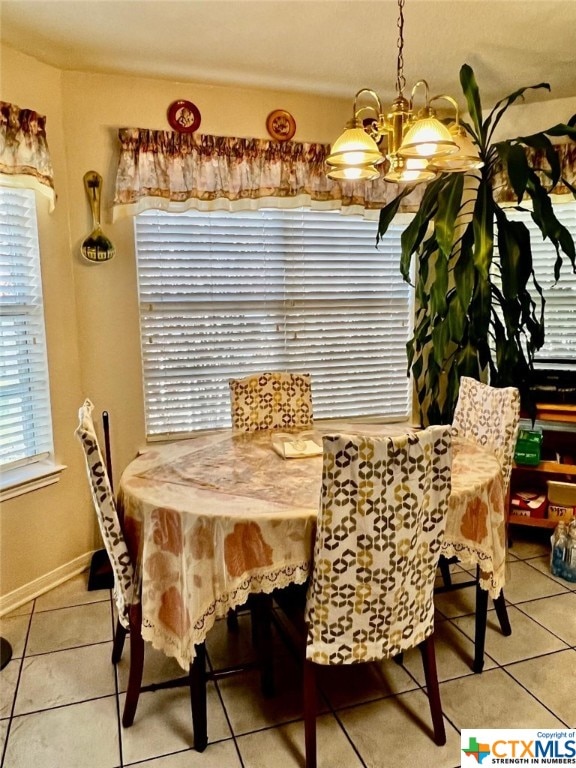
(22, 658)
(223, 705)
(523, 611)
(504, 667)
(563, 582)
(66, 649)
(507, 667)
(527, 615)
(65, 706)
(117, 682)
(72, 605)
(542, 704)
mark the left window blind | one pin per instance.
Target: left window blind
(25, 419)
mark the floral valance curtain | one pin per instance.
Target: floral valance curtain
(178, 171)
(24, 156)
(537, 159)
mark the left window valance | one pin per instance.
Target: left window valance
(24, 155)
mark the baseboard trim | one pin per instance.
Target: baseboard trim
(24, 594)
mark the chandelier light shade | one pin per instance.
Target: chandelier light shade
(427, 137)
(417, 147)
(466, 158)
(355, 173)
(354, 147)
(409, 171)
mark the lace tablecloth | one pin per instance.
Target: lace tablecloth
(210, 520)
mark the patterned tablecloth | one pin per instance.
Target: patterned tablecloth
(210, 520)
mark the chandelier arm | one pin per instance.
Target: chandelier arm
(371, 93)
(426, 92)
(451, 101)
(413, 143)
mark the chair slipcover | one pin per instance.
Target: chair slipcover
(490, 417)
(382, 517)
(105, 507)
(271, 401)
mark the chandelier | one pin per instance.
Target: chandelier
(417, 145)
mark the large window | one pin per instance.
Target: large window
(560, 307)
(25, 423)
(225, 295)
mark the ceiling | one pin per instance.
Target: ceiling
(331, 47)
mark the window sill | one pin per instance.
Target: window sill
(16, 482)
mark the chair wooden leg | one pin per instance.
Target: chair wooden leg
(118, 647)
(198, 698)
(310, 713)
(232, 620)
(444, 566)
(429, 662)
(262, 634)
(480, 629)
(136, 666)
(502, 613)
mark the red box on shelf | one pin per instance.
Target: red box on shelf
(529, 503)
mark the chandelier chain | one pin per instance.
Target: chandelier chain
(400, 79)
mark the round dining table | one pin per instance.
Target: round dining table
(212, 519)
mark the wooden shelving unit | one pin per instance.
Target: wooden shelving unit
(553, 468)
(565, 414)
(535, 522)
(558, 423)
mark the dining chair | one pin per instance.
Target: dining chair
(490, 417)
(275, 400)
(383, 509)
(269, 401)
(128, 603)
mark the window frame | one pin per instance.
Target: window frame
(38, 468)
(147, 295)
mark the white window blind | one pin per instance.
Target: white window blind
(560, 307)
(226, 295)
(25, 422)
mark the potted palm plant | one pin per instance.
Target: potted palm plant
(479, 308)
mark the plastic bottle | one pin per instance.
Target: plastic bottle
(570, 553)
(559, 546)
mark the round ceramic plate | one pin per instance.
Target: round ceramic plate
(184, 116)
(281, 125)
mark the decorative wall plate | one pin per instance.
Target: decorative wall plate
(281, 125)
(184, 116)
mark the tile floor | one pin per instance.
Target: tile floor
(60, 696)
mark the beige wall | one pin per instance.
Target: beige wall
(42, 530)
(91, 310)
(95, 106)
(531, 117)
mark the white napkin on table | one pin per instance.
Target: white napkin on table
(297, 446)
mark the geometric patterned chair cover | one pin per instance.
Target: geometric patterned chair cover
(382, 516)
(105, 507)
(490, 417)
(127, 601)
(276, 400)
